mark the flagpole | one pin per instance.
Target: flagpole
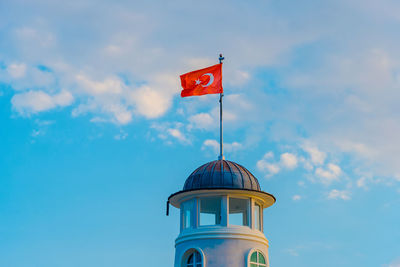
(221, 138)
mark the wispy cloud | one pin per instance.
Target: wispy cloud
(215, 147)
(310, 163)
(331, 173)
(289, 160)
(16, 70)
(176, 133)
(311, 159)
(202, 121)
(122, 135)
(265, 165)
(296, 198)
(170, 132)
(317, 157)
(38, 101)
(339, 194)
(342, 99)
(394, 263)
(308, 247)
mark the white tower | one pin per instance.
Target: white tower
(221, 208)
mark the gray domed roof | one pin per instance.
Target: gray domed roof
(228, 175)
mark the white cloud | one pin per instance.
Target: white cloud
(16, 70)
(289, 160)
(209, 143)
(176, 133)
(36, 133)
(123, 117)
(154, 99)
(366, 179)
(36, 37)
(238, 105)
(317, 156)
(44, 122)
(64, 98)
(170, 132)
(270, 168)
(268, 155)
(228, 147)
(325, 174)
(199, 62)
(234, 146)
(296, 197)
(149, 102)
(38, 101)
(330, 174)
(238, 110)
(120, 113)
(293, 252)
(361, 182)
(202, 121)
(357, 147)
(121, 136)
(150, 69)
(120, 102)
(105, 97)
(395, 263)
(345, 100)
(362, 119)
(98, 120)
(265, 164)
(22, 76)
(339, 194)
(307, 164)
(236, 77)
(110, 85)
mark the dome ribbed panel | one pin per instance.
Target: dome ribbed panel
(226, 175)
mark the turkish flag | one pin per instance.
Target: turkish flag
(202, 82)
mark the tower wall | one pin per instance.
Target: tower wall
(226, 248)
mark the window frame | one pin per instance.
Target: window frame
(255, 250)
(192, 204)
(190, 251)
(248, 213)
(221, 211)
(224, 209)
(260, 216)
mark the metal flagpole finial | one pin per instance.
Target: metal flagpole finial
(221, 141)
(221, 58)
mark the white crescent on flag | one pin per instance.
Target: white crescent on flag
(211, 79)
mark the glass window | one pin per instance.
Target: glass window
(253, 257)
(257, 259)
(187, 212)
(257, 216)
(238, 211)
(194, 260)
(261, 258)
(210, 211)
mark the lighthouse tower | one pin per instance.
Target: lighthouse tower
(221, 218)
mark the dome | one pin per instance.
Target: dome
(228, 175)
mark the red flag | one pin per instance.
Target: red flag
(202, 82)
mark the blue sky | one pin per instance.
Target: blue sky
(94, 136)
